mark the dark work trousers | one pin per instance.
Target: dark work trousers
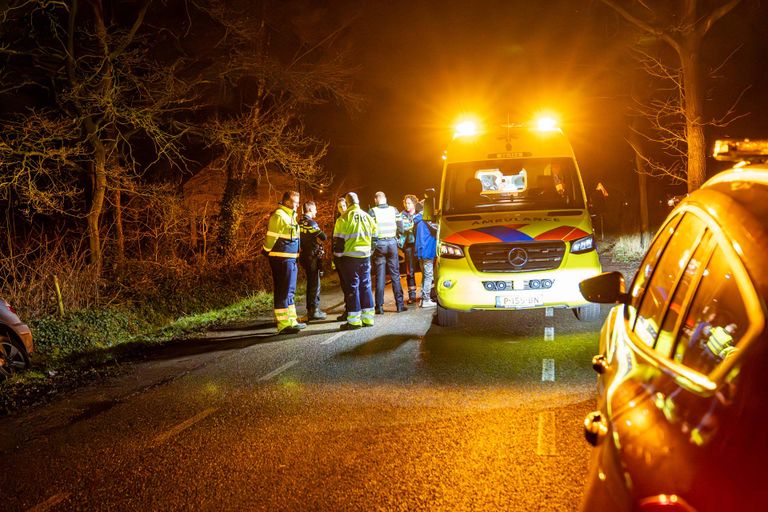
(386, 261)
(311, 267)
(284, 272)
(357, 276)
(342, 282)
(411, 264)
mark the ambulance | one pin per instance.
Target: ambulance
(514, 229)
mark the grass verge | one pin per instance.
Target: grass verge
(631, 248)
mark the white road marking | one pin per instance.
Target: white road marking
(332, 338)
(278, 371)
(549, 333)
(50, 502)
(182, 426)
(548, 370)
(549, 311)
(545, 440)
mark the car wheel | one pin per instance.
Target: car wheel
(588, 312)
(447, 317)
(13, 356)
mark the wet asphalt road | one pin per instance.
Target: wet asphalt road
(402, 416)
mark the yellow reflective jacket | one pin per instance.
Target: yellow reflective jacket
(282, 238)
(353, 233)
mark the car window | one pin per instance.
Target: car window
(716, 320)
(665, 276)
(645, 270)
(666, 338)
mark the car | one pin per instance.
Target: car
(15, 342)
(683, 356)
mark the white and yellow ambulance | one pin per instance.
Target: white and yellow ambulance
(514, 230)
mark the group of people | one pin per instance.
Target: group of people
(358, 236)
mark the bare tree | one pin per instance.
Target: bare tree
(263, 132)
(682, 25)
(99, 76)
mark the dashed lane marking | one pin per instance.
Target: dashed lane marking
(50, 502)
(549, 333)
(278, 371)
(548, 370)
(182, 426)
(332, 338)
(545, 440)
(549, 311)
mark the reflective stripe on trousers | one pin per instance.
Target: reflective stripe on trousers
(283, 318)
(367, 316)
(354, 318)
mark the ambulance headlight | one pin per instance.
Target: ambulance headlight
(451, 251)
(583, 245)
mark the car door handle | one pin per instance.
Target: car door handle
(595, 427)
(600, 363)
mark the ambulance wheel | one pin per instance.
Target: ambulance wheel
(447, 317)
(588, 312)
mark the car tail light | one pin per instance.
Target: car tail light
(665, 503)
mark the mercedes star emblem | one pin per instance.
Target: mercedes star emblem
(517, 257)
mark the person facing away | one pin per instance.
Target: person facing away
(385, 256)
(281, 245)
(311, 258)
(406, 241)
(341, 207)
(352, 239)
(426, 252)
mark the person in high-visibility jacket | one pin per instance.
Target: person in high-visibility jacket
(720, 341)
(341, 207)
(281, 245)
(352, 238)
(385, 257)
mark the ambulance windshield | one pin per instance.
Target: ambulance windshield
(512, 185)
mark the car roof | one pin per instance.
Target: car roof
(721, 197)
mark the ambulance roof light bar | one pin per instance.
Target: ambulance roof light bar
(741, 150)
(547, 124)
(466, 128)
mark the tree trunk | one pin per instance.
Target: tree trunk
(231, 212)
(642, 181)
(120, 237)
(97, 205)
(693, 105)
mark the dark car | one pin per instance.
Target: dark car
(683, 360)
(15, 342)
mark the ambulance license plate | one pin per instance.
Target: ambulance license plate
(520, 300)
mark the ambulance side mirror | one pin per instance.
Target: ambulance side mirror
(429, 213)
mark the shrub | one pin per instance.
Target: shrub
(631, 248)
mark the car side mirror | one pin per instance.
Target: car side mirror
(606, 288)
(429, 213)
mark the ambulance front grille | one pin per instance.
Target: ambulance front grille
(499, 257)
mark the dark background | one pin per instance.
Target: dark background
(423, 63)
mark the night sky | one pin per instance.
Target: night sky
(423, 63)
